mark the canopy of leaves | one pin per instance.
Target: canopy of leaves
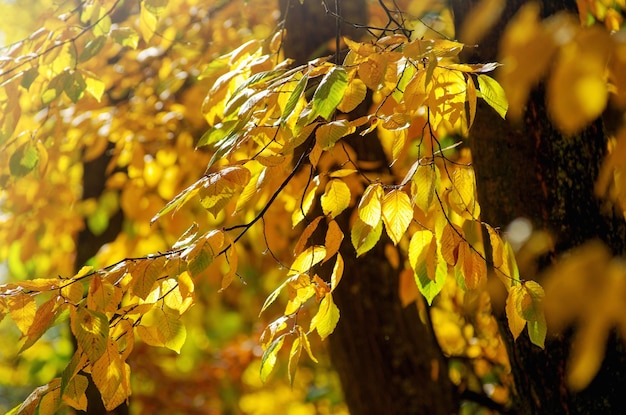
(225, 160)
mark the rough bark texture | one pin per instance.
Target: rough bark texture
(531, 170)
(387, 358)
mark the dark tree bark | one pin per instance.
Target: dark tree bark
(531, 170)
(88, 244)
(388, 360)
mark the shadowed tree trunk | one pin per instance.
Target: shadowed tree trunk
(88, 244)
(531, 170)
(388, 360)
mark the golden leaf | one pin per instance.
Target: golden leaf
(355, 94)
(307, 259)
(22, 308)
(336, 198)
(472, 266)
(326, 318)
(516, 322)
(397, 214)
(334, 237)
(370, 206)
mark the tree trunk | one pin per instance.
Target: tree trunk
(387, 358)
(88, 245)
(531, 170)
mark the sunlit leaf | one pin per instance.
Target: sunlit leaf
(336, 198)
(493, 94)
(515, 320)
(74, 395)
(355, 94)
(91, 329)
(307, 259)
(364, 237)
(329, 92)
(333, 239)
(268, 361)
(22, 308)
(370, 206)
(326, 318)
(328, 134)
(397, 214)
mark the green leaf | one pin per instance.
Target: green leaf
(75, 86)
(216, 134)
(330, 92)
(268, 361)
(24, 160)
(29, 77)
(125, 36)
(92, 48)
(364, 237)
(537, 330)
(493, 94)
(155, 7)
(294, 97)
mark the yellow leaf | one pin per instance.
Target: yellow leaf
(451, 237)
(588, 349)
(161, 326)
(333, 239)
(147, 23)
(94, 86)
(355, 94)
(328, 134)
(50, 402)
(372, 70)
(294, 357)
(145, 276)
(299, 290)
(305, 342)
(306, 204)
(307, 260)
(577, 89)
(493, 94)
(364, 236)
(91, 329)
(471, 101)
(326, 318)
(306, 234)
(419, 248)
(268, 361)
(529, 302)
(44, 318)
(336, 198)
(425, 182)
(103, 296)
(370, 206)
(337, 272)
(110, 374)
(462, 196)
(472, 266)
(497, 247)
(397, 214)
(527, 50)
(22, 308)
(516, 322)
(72, 291)
(74, 394)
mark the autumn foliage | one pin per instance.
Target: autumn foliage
(230, 166)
